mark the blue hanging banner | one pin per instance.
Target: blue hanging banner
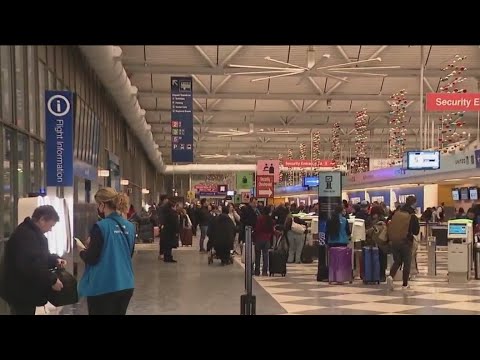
(59, 115)
(182, 119)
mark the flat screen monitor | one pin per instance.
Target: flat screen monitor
(422, 160)
(457, 229)
(473, 193)
(455, 194)
(464, 194)
(310, 181)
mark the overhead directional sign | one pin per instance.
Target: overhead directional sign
(265, 185)
(182, 119)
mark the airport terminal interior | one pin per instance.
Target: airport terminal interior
(288, 141)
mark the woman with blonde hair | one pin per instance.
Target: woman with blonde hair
(108, 280)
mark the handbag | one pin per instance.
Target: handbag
(69, 294)
(297, 228)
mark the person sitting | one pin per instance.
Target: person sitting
(221, 236)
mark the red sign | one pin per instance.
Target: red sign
(265, 186)
(269, 167)
(453, 102)
(307, 163)
(206, 188)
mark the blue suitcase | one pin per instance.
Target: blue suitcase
(370, 270)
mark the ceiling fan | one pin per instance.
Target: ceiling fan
(228, 155)
(251, 130)
(312, 68)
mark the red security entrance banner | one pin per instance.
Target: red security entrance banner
(307, 163)
(453, 102)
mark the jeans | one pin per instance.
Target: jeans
(115, 303)
(203, 234)
(295, 248)
(402, 254)
(261, 247)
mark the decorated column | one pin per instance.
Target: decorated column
(398, 131)
(451, 123)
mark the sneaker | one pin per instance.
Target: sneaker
(406, 288)
(390, 283)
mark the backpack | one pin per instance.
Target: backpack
(397, 230)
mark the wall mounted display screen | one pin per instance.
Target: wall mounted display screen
(310, 181)
(464, 194)
(473, 193)
(455, 194)
(422, 160)
(230, 193)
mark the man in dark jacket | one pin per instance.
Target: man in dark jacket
(28, 263)
(280, 214)
(203, 218)
(162, 211)
(402, 228)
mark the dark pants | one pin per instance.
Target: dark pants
(21, 309)
(115, 303)
(402, 254)
(382, 255)
(261, 247)
(203, 234)
(167, 253)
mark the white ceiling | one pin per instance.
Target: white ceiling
(223, 102)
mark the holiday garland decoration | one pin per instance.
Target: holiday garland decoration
(290, 172)
(280, 161)
(451, 122)
(303, 156)
(315, 150)
(335, 144)
(397, 131)
(360, 163)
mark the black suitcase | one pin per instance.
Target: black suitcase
(309, 252)
(277, 259)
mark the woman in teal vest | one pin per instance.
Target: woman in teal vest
(338, 231)
(108, 280)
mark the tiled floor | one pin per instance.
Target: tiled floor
(189, 287)
(301, 294)
(193, 287)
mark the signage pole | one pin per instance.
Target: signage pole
(422, 67)
(329, 196)
(248, 300)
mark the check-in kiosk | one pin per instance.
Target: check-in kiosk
(460, 238)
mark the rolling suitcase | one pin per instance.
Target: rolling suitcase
(277, 258)
(370, 268)
(340, 264)
(309, 250)
(186, 237)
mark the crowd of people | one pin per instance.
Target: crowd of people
(108, 279)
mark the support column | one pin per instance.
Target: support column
(422, 68)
